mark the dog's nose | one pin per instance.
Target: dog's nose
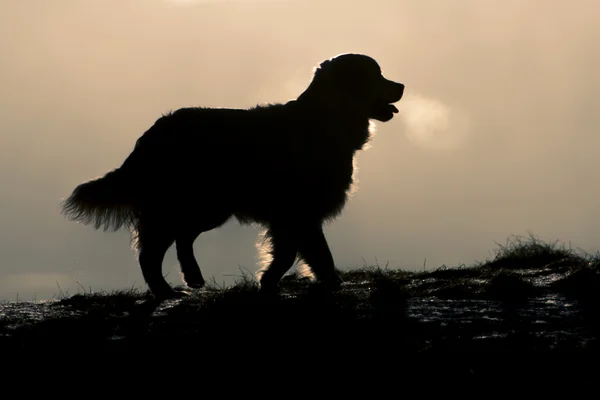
(399, 90)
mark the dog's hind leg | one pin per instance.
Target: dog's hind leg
(153, 242)
(184, 244)
(314, 250)
(190, 269)
(284, 250)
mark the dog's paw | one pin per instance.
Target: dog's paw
(195, 284)
(194, 279)
(181, 293)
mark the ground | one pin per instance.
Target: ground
(532, 296)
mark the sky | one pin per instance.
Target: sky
(497, 134)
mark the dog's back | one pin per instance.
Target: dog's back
(260, 163)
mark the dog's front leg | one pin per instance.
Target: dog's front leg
(314, 250)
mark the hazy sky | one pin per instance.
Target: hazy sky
(497, 135)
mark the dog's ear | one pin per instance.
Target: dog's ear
(334, 80)
(321, 71)
(346, 80)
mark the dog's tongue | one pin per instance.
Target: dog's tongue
(393, 108)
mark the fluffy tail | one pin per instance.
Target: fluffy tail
(102, 201)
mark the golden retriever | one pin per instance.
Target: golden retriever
(288, 167)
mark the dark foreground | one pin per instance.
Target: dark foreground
(532, 297)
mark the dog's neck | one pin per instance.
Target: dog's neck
(359, 134)
(356, 127)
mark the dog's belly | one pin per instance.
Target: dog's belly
(252, 192)
(301, 198)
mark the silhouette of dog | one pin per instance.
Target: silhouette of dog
(288, 167)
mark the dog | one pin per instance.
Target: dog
(288, 167)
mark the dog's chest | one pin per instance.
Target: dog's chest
(325, 166)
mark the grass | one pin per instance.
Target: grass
(531, 296)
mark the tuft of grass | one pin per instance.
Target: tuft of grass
(522, 252)
(101, 298)
(388, 294)
(457, 272)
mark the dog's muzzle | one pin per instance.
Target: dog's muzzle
(384, 108)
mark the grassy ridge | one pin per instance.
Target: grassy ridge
(531, 296)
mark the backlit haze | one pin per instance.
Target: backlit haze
(497, 133)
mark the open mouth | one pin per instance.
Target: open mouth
(383, 108)
(383, 111)
(386, 105)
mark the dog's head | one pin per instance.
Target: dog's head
(353, 83)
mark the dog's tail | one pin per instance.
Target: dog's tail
(103, 201)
